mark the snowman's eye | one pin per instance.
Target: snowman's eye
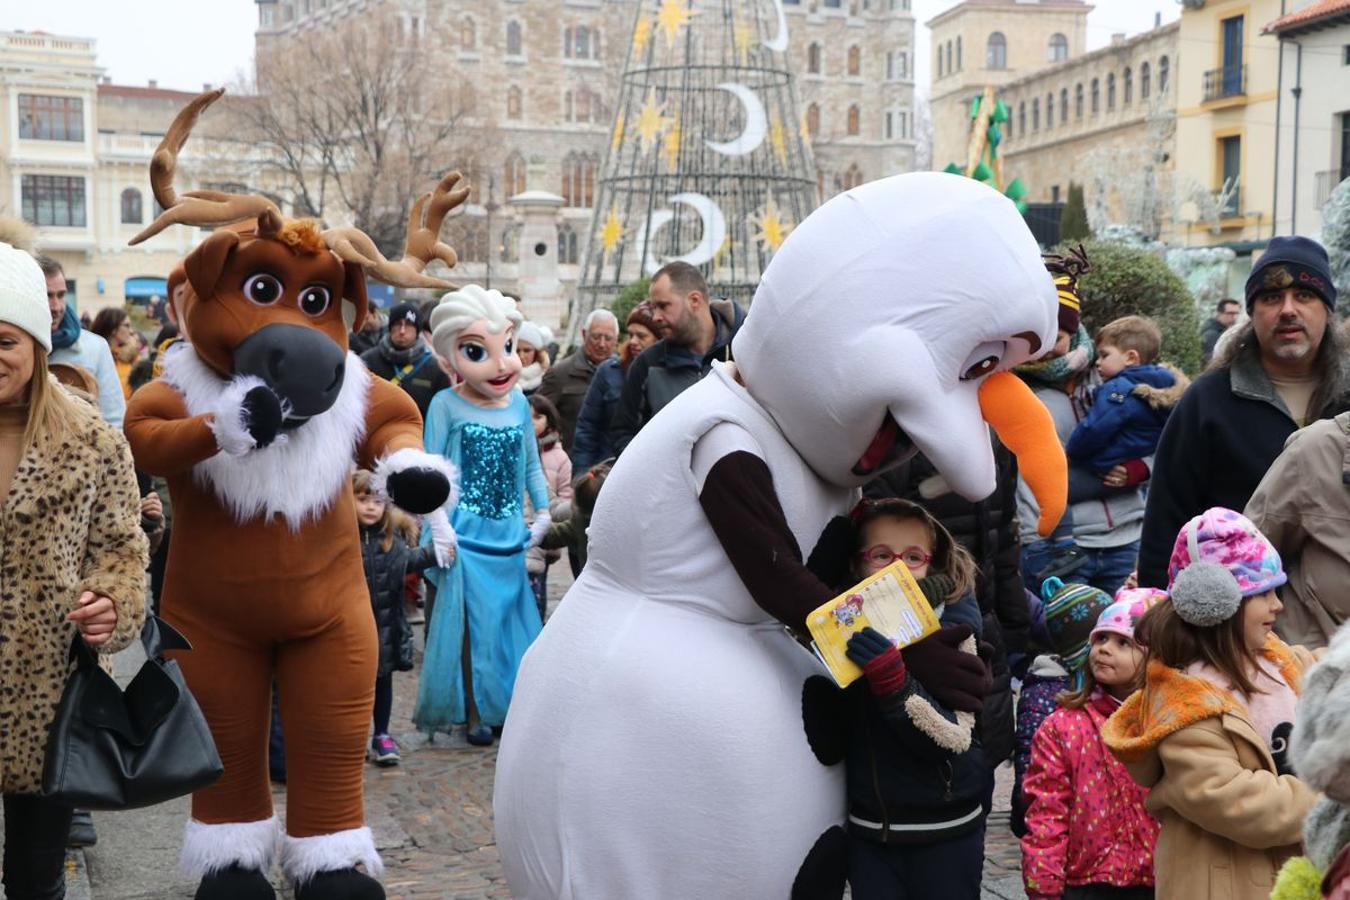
(983, 360)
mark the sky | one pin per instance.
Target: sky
(184, 45)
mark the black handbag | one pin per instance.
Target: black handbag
(114, 749)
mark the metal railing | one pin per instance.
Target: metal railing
(1229, 81)
(1326, 182)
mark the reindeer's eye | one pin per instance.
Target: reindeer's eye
(314, 300)
(263, 288)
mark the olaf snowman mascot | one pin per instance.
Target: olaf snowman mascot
(655, 746)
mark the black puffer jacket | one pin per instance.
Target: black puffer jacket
(384, 579)
(988, 530)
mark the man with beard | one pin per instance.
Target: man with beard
(1284, 369)
(697, 332)
(403, 358)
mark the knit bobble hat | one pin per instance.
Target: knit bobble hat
(529, 333)
(1124, 614)
(1218, 559)
(1071, 613)
(23, 295)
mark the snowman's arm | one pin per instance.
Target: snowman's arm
(738, 498)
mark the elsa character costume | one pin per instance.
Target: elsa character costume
(486, 589)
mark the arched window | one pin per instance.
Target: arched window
(1059, 48)
(514, 172)
(514, 45)
(813, 59)
(585, 105)
(131, 207)
(958, 53)
(514, 101)
(1078, 101)
(1163, 71)
(567, 244)
(854, 60)
(1111, 90)
(1143, 81)
(1022, 117)
(949, 58)
(1036, 114)
(853, 177)
(996, 51)
(468, 34)
(1008, 126)
(813, 120)
(1096, 96)
(567, 106)
(854, 120)
(1063, 106)
(578, 179)
(582, 37)
(1050, 110)
(1129, 85)
(940, 69)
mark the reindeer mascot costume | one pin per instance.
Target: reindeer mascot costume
(256, 424)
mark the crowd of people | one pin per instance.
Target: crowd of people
(1141, 666)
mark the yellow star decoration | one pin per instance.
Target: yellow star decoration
(612, 231)
(617, 138)
(771, 229)
(674, 15)
(641, 35)
(652, 122)
(671, 147)
(744, 38)
(778, 139)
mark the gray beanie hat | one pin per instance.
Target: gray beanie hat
(23, 295)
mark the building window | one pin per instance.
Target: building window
(514, 44)
(514, 102)
(1232, 49)
(45, 118)
(1230, 158)
(1022, 117)
(1059, 48)
(1096, 96)
(903, 58)
(854, 60)
(514, 172)
(1078, 101)
(813, 120)
(852, 178)
(131, 207)
(1162, 75)
(1054, 193)
(889, 133)
(1144, 81)
(1050, 110)
(813, 59)
(854, 120)
(1036, 114)
(904, 124)
(996, 51)
(958, 53)
(567, 245)
(1063, 106)
(1129, 85)
(1111, 90)
(580, 43)
(890, 65)
(1345, 59)
(949, 58)
(833, 4)
(578, 180)
(53, 200)
(468, 34)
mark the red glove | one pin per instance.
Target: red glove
(1136, 472)
(880, 661)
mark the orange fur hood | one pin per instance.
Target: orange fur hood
(1172, 700)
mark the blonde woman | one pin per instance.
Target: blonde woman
(72, 561)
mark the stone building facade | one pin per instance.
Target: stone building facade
(546, 74)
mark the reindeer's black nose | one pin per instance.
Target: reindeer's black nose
(301, 365)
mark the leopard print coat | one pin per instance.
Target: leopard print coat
(71, 523)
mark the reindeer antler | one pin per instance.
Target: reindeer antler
(423, 243)
(210, 208)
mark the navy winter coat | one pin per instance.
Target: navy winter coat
(1127, 417)
(384, 579)
(590, 441)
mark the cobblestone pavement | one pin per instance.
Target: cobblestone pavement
(432, 818)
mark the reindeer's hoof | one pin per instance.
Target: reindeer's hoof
(341, 884)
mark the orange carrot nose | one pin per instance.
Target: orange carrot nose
(1025, 427)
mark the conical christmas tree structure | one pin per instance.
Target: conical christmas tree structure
(708, 161)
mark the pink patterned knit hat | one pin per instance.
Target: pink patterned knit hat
(1123, 615)
(1220, 541)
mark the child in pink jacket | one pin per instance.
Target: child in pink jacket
(1088, 834)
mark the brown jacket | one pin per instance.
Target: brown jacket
(1229, 820)
(1303, 506)
(71, 523)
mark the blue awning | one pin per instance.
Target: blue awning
(381, 295)
(145, 288)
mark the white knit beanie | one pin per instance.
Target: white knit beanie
(23, 295)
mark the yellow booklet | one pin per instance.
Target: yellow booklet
(890, 601)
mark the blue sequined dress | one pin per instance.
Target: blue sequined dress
(498, 459)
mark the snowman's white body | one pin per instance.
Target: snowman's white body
(655, 746)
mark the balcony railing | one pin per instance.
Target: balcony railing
(1230, 81)
(1326, 182)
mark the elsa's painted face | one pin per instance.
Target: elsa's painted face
(486, 361)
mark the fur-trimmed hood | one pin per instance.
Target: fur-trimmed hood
(1172, 700)
(1161, 397)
